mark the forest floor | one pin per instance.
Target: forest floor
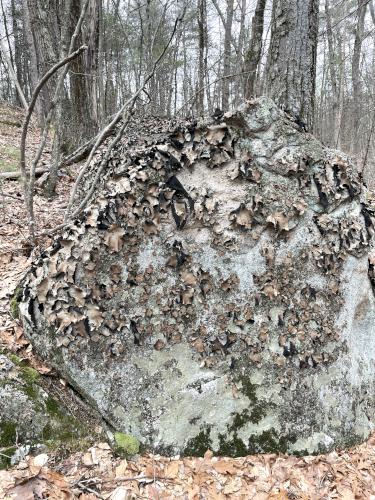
(96, 472)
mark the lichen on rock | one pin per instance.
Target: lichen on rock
(29, 417)
(218, 291)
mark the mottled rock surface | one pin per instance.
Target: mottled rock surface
(29, 417)
(219, 290)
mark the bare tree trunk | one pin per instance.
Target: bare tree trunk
(341, 83)
(83, 77)
(44, 43)
(240, 59)
(227, 54)
(292, 56)
(12, 74)
(100, 68)
(332, 70)
(33, 67)
(254, 52)
(356, 77)
(202, 63)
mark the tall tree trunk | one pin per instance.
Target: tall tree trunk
(43, 28)
(254, 52)
(202, 62)
(227, 54)
(356, 77)
(332, 55)
(291, 67)
(19, 44)
(31, 55)
(100, 68)
(238, 91)
(83, 78)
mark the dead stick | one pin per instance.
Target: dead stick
(15, 175)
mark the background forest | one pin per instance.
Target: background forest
(218, 56)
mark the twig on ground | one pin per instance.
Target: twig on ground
(17, 174)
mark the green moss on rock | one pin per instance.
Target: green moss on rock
(6, 456)
(16, 360)
(30, 378)
(14, 303)
(64, 430)
(8, 433)
(52, 406)
(198, 445)
(29, 375)
(126, 444)
(36, 418)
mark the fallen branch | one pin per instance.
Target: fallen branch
(7, 195)
(122, 479)
(16, 175)
(82, 152)
(103, 163)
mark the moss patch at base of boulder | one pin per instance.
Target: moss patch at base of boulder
(126, 444)
(29, 416)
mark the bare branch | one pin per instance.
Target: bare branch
(31, 107)
(196, 94)
(100, 138)
(29, 185)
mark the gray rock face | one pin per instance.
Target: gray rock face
(218, 292)
(28, 415)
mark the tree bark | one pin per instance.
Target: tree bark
(83, 78)
(254, 52)
(291, 66)
(202, 63)
(356, 77)
(43, 31)
(31, 53)
(227, 54)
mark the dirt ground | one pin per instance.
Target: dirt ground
(96, 472)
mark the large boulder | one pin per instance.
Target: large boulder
(218, 292)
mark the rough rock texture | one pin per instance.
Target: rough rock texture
(219, 291)
(28, 415)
